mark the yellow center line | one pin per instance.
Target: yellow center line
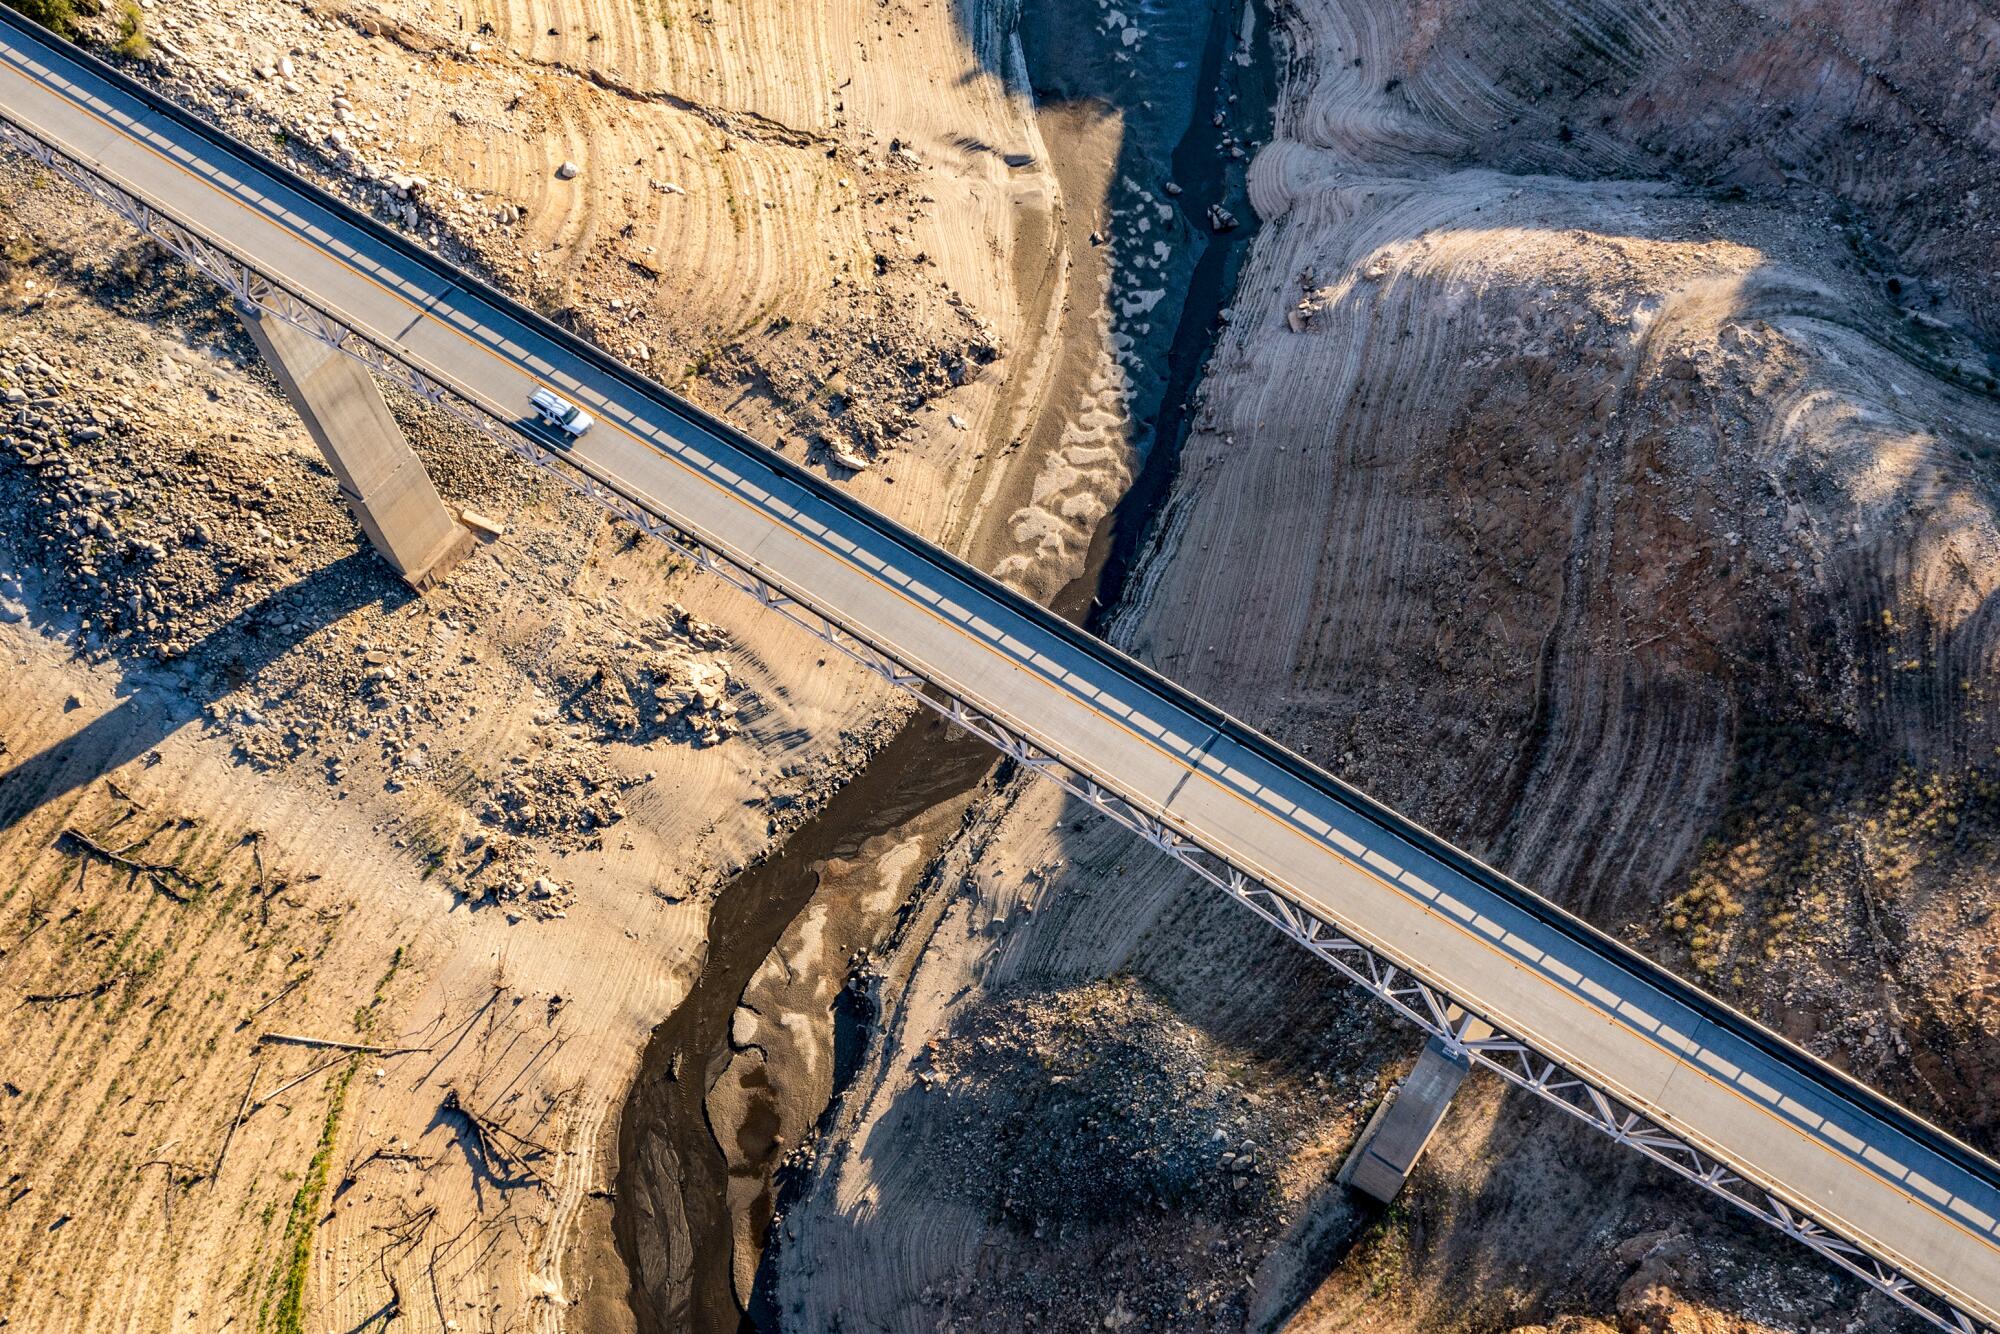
(1313, 843)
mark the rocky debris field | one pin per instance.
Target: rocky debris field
(151, 548)
(1095, 1127)
(646, 680)
(226, 567)
(1090, 1105)
(156, 486)
(848, 391)
(174, 522)
(1075, 1152)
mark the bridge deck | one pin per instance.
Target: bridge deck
(1878, 1176)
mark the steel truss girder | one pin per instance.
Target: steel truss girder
(1425, 1004)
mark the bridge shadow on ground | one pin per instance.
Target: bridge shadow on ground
(228, 656)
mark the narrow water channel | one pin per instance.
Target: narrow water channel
(1243, 95)
(668, 1161)
(671, 1216)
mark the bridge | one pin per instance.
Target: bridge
(1497, 976)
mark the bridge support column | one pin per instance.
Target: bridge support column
(1402, 1126)
(385, 483)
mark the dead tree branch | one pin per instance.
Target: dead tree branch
(242, 1109)
(167, 1186)
(265, 1100)
(283, 992)
(163, 875)
(87, 993)
(407, 1231)
(360, 1048)
(495, 1143)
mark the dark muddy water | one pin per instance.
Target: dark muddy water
(668, 1160)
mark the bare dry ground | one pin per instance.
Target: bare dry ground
(251, 787)
(1601, 466)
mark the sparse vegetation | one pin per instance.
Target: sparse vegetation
(16, 252)
(1820, 829)
(284, 1305)
(58, 16)
(1384, 1252)
(132, 42)
(364, 1016)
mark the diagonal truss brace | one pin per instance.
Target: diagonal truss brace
(1423, 1003)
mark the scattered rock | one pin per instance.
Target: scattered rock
(480, 524)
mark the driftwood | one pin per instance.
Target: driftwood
(167, 1187)
(255, 838)
(437, 1298)
(498, 1143)
(359, 1048)
(267, 888)
(406, 1231)
(395, 1306)
(283, 992)
(164, 875)
(242, 1110)
(458, 1031)
(87, 993)
(352, 1175)
(294, 1083)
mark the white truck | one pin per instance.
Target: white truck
(560, 413)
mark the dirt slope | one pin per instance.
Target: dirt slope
(1637, 534)
(487, 825)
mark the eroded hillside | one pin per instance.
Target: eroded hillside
(1602, 465)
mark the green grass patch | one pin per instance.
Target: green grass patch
(364, 1015)
(132, 41)
(1385, 1252)
(284, 1307)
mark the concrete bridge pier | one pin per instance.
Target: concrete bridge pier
(1402, 1126)
(385, 483)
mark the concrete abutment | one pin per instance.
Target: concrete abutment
(1402, 1126)
(385, 483)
